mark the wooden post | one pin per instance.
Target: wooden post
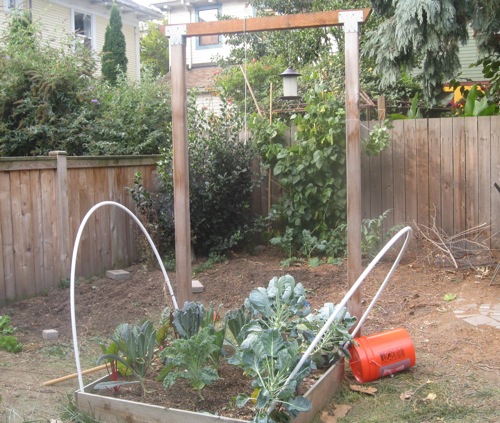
(62, 212)
(381, 107)
(351, 21)
(183, 275)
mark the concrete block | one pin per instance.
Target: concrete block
(50, 334)
(197, 287)
(479, 320)
(118, 275)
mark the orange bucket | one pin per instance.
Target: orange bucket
(381, 354)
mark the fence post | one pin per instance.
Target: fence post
(381, 107)
(62, 217)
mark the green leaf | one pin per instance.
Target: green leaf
(450, 297)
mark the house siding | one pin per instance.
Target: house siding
(55, 21)
(203, 56)
(468, 55)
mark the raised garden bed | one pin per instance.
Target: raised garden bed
(109, 409)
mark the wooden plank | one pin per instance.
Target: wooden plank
(458, 175)
(181, 174)
(112, 161)
(114, 214)
(47, 181)
(485, 184)
(81, 207)
(366, 190)
(447, 192)
(17, 236)
(422, 171)
(398, 152)
(434, 142)
(495, 177)
(29, 288)
(38, 278)
(7, 287)
(375, 182)
(471, 174)
(102, 221)
(266, 23)
(353, 168)
(410, 171)
(26, 163)
(387, 173)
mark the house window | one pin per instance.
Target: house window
(208, 14)
(10, 5)
(83, 28)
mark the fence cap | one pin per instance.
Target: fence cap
(57, 153)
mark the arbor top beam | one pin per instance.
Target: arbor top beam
(265, 23)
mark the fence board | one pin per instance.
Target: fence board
(485, 184)
(434, 142)
(49, 247)
(375, 178)
(365, 177)
(410, 175)
(398, 151)
(422, 170)
(447, 191)
(459, 186)
(495, 177)
(471, 174)
(386, 160)
(6, 221)
(37, 241)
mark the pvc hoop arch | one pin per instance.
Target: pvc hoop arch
(340, 306)
(72, 278)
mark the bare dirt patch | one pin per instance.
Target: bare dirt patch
(446, 347)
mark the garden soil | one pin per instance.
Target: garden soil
(445, 346)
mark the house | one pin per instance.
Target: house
(201, 51)
(87, 19)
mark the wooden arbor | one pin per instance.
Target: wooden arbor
(350, 19)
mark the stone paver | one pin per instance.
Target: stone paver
(484, 314)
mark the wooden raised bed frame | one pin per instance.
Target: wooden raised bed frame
(115, 410)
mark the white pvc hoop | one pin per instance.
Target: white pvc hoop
(338, 308)
(72, 278)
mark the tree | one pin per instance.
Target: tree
(154, 50)
(426, 35)
(114, 58)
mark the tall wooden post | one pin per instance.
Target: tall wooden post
(62, 211)
(181, 167)
(351, 20)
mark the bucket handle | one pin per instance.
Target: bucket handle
(406, 231)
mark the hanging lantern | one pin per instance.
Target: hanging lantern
(290, 84)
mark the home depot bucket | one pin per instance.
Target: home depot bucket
(381, 354)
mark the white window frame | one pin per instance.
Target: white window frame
(92, 35)
(10, 5)
(199, 46)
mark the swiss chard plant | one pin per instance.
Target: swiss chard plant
(132, 347)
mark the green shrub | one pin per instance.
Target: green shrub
(220, 183)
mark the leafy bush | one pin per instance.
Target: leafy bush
(52, 100)
(311, 171)
(8, 342)
(220, 183)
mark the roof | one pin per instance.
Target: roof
(201, 78)
(142, 12)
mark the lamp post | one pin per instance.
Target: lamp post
(290, 84)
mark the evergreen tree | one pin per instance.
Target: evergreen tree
(154, 50)
(114, 58)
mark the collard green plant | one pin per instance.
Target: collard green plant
(191, 359)
(277, 305)
(269, 360)
(133, 347)
(332, 345)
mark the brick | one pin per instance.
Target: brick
(197, 287)
(50, 334)
(118, 275)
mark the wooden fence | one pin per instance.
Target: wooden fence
(442, 169)
(437, 170)
(42, 203)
